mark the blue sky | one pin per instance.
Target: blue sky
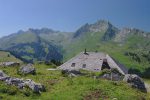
(69, 15)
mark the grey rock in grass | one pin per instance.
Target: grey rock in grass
(9, 64)
(27, 69)
(20, 83)
(36, 87)
(135, 81)
(2, 74)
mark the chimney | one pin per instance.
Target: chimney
(85, 51)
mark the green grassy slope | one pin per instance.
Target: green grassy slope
(133, 52)
(65, 88)
(6, 56)
(14, 39)
(37, 51)
(89, 41)
(33, 45)
(130, 47)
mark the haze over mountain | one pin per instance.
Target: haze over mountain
(68, 15)
(35, 44)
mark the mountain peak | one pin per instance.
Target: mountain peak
(127, 31)
(42, 30)
(82, 29)
(99, 26)
(102, 22)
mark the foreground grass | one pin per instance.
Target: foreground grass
(66, 88)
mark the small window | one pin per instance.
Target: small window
(96, 69)
(73, 64)
(84, 66)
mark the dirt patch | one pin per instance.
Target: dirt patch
(95, 95)
(52, 82)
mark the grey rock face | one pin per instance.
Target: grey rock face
(3, 76)
(20, 83)
(15, 81)
(135, 81)
(27, 69)
(99, 26)
(9, 64)
(36, 87)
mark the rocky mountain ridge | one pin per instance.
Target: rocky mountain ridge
(48, 42)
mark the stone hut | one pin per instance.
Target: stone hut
(93, 61)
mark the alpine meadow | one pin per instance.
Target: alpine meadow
(103, 55)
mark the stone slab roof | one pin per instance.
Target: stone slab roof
(91, 61)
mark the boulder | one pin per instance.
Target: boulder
(15, 81)
(20, 83)
(27, 69)
(36, 87)
(9, 64)
(135, 81)
(11, 81)
(3, 76)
